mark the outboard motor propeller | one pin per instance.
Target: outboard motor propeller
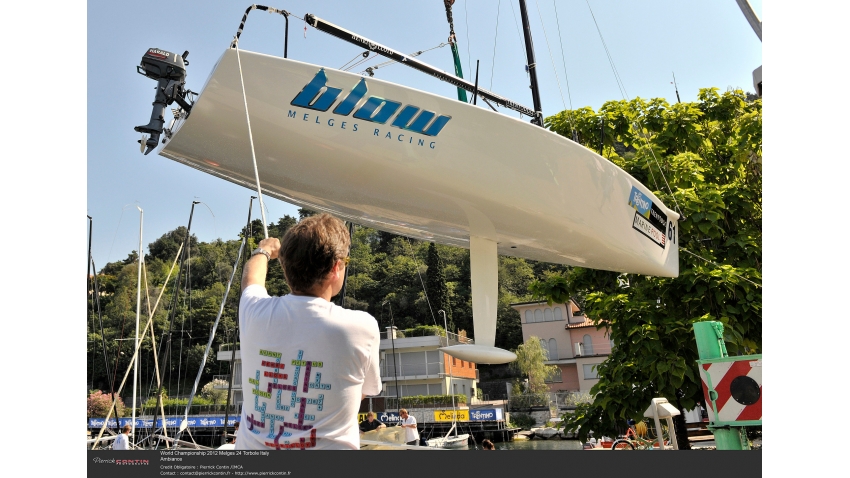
(169, 71)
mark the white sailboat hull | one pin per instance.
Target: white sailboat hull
(536, 194)
(459, 442)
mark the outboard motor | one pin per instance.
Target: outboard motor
(169, 71)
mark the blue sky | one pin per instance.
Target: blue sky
(705, 44)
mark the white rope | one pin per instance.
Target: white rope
(251, 139)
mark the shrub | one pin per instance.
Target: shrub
(99, 403)
(416, 401)
(423, 330)
(522, 420)
(215, 391)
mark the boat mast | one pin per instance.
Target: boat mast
(461, 93)
(185, 423)
(451, 392)
(165, 349)
(532, 66)
(235, 334)
(138, 311)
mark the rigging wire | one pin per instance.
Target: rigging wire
(115, 396)
(109, 254)
(566, 75)
(551, 58)
(187, 311)
(521, 42)
(466, 19)
(719, 266)
(212, 336)
(620, 84)
(636, 126)
(516, 24)
(424, 290)
(391, 62)
(214, 261)
(495, 41)
(359, 55)
(109, 374)
(367, 56)
(118, 352)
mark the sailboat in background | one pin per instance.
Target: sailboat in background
(413, 163)
(451, 440)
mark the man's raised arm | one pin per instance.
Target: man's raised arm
(258, 264)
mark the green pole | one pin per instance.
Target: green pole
(461, 93)
(710, 345)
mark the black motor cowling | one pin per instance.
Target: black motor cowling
(169, 71)
(158, 64)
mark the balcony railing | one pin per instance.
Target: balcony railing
(549, 399)
(431, 401)
(408, 370)
(578, 350)
(454, 339)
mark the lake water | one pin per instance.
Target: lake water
(537, 445)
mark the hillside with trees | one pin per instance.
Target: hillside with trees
(413, 278)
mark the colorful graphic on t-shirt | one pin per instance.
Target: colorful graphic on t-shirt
(290, 409)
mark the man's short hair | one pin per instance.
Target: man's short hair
(126, 428)
(370, 414)
(310, 249)
(403, 410)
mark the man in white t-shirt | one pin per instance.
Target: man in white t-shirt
(122, 441)
(306, 363)
(411, 432)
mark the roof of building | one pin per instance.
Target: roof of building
(585, 323)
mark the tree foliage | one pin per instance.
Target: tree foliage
(530, 358)
(435, 284)
(215, 391)
(98, 405)
(709, 153)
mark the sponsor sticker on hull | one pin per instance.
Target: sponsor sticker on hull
(649, 219)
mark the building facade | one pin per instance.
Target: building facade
(574, 344)
(414, 365)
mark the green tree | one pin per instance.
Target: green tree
(215, 391)
(709, 152)
(530, 358)
(435, 284)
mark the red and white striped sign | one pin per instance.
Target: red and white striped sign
(738, 389)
